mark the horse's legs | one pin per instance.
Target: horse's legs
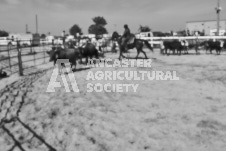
(120, 55)
(138, 52)
(144, 53)
(81, 60)
(120, 52)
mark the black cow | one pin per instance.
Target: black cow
(88, 51)
(61, 53)
(213, 45)
(224, 44)
(174, 46)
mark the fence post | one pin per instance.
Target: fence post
(31, 46)
(34, 57)
(19, 59)
(196, 45)
(44, 54)
(9, 59)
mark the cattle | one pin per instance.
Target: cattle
(213, 45)
(174, 46)
(224, 44)
(185, 46)
(88, 51)
(60, 53)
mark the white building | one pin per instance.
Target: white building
(49, 39)
(208, 27)
(20, 36)
(25, 39)
(89, 35)
(144, 34)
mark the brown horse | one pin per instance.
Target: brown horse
(138, 44)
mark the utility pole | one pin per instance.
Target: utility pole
(26, 28)
(218, 9)
(36, 17)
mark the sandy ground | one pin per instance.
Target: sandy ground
(183, 115)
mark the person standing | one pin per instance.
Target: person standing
(63, 37)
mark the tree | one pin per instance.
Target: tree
(43, 36)
(98, 28)
(75, 29)
(144, 29)
(99, 21)
(3, 33)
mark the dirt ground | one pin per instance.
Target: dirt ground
(184, 115)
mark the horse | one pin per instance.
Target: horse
(137, 43)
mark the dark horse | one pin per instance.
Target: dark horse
(137, 43)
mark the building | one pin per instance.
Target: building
(20, 36)
(89, 35)
(207, 27)
(144, 34)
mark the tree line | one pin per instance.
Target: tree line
(97, 28)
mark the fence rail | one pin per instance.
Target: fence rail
(19, 58)
(22, 55)
(185, 38)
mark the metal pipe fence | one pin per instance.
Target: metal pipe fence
(22, 55)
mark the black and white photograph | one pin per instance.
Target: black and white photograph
(112, 75)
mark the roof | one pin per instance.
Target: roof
(204, 21)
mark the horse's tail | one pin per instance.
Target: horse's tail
(148, 45)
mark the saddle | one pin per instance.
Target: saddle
(131, 39)
(128, 40)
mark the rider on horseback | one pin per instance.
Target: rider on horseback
(126, 36)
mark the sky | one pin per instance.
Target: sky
(54, 16)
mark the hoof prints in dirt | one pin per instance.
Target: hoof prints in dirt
(12, 98)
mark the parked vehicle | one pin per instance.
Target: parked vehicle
(5, 41)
